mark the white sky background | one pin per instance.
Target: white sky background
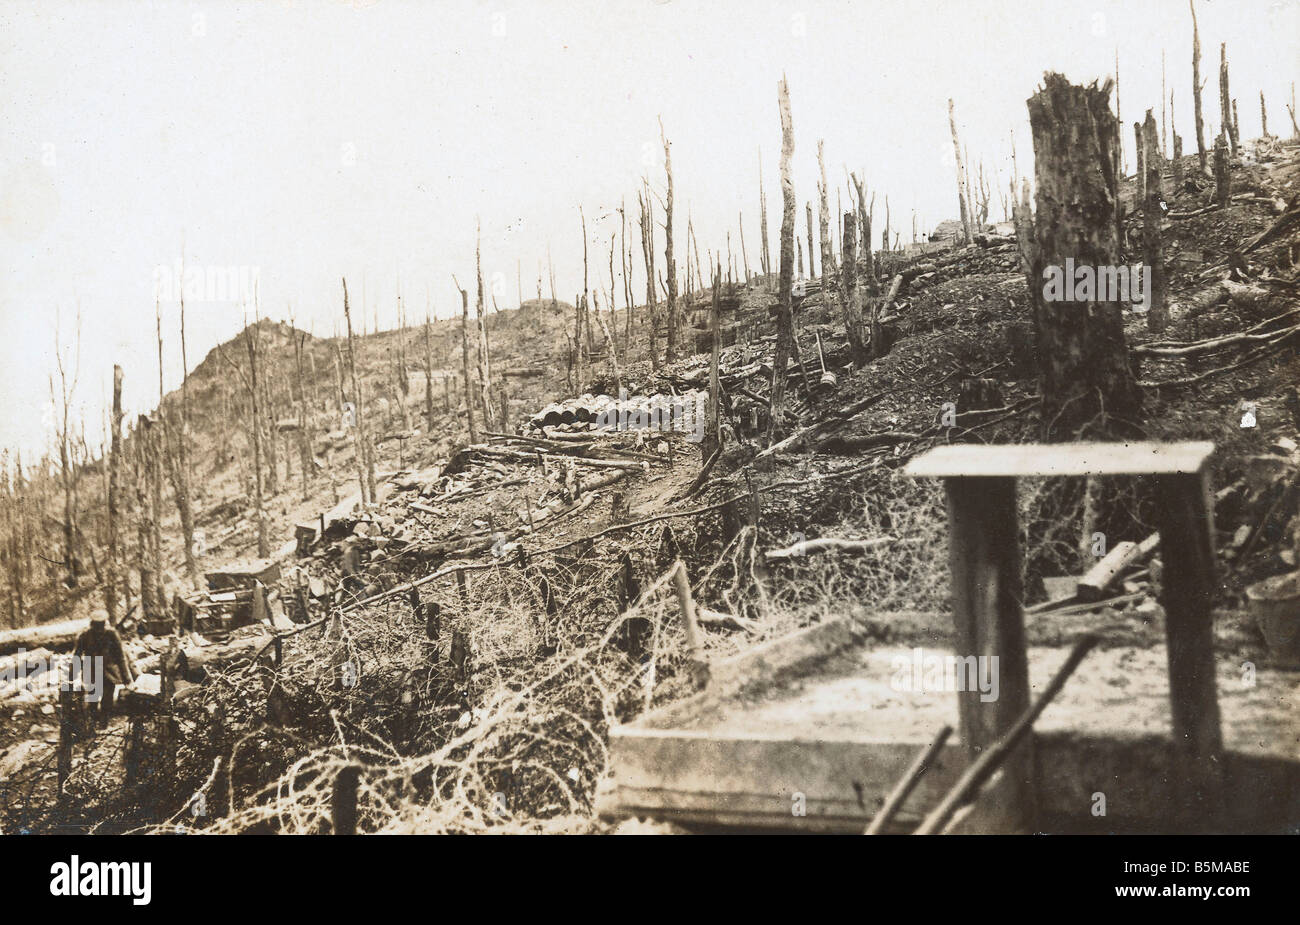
(313, 140)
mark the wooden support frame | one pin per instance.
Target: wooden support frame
(985, 561)
(984, 558)
(1187, 593)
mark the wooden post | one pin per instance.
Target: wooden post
(1188, 592)
(682, 584)
(984, 557)
(460, 586)
(343, 805)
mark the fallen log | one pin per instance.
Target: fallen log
(1214, 344)
(826, 544)
(717, 618)
(1287, 222)
(1123, 556)
(53, 636)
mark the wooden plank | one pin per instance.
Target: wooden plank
(1065, 459)
(1188, 591)
(984, 558)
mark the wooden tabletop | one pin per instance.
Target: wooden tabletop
(1029, 459)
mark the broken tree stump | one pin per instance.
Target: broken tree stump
(1084, 369)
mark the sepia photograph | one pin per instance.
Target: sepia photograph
(650, 417)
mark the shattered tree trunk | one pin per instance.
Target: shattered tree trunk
(609, 343)
(812, 273)
(1178, 163)
(1152, 246)
(579, 310)
(785, 310)
(625, 259)
(1222, 183)
(670, 351)
(304, 438)
(112, 585)
(764, 254)
(1196, 90)
(648, 255)
(1084, 373)
(744, 256)
(148, 575)
(962, 202)
(176, 455)
(1164, 122)
(464, 355)
(712, 425)
(359, 441)
(864, 227)
(823, 227)
(263, 544)
(1263, 116)
(849, 291)
(484, 354)
(428, 370)
(1225, 101)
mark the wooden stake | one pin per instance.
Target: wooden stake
(907, 783)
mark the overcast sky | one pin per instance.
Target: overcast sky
(305, 141)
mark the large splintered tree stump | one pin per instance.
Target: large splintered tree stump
(785, 300)
(1084, 372)
(1263, 116)
(1178, 162)
(1196, 89)
(1153, 213)
(1222, 183)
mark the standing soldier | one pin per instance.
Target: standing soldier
(102, 641)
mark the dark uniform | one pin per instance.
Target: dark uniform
(102, 641)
